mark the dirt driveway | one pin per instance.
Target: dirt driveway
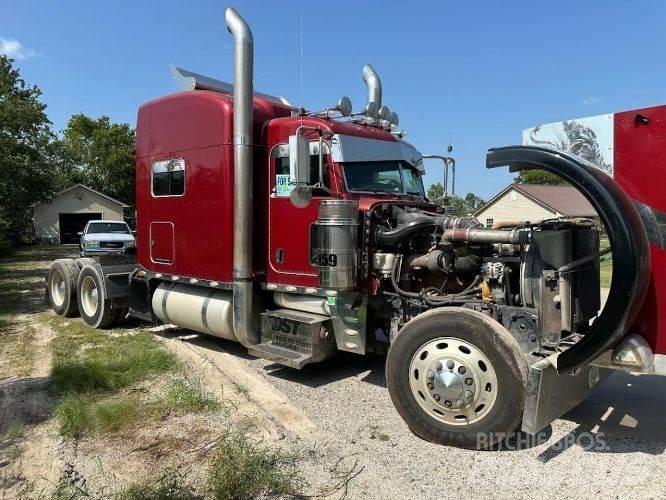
(338, 415)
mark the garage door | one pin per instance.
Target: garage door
(71, 224)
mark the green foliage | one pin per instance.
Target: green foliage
(25, 154)
(186, 394)
(90, 366)
(537, 177)
(34, 163)
(83, 413)
(435, 192)
(468, 204)
(606, 265)
(242, 468)
(99, 154)
(109, 364)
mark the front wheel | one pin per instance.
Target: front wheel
(457, 378)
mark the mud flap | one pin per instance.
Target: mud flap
(626, 232)
(550, 394)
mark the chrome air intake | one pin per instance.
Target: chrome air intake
(337, 244)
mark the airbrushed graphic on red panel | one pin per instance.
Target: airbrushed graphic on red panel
(640, 169)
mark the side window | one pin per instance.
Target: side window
(168, 178)
(283, 185)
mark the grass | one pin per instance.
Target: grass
(170, 485)
(606, 266)
(85, 414)
(21, 280)
(9, 447)
(90, 368)
(88, 360)
(186, 395)
(243, 468)
(17, 349)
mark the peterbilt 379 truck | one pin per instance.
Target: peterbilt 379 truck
(300, 234)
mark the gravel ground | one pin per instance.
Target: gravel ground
(613, 445)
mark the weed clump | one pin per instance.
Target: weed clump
(243, 468)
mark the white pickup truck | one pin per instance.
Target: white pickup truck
(101, 237)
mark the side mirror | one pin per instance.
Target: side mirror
(299, 160)
(80, 233)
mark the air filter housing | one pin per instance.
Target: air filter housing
(337, 244)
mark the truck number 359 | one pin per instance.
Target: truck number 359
(328, 260)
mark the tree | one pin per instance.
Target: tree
(455, 204)
(99, 154)
(26, 176)
(538, 177)
(435, 192)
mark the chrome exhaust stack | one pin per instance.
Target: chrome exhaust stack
(374, 85)
(243, 289)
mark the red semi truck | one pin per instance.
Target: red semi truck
(300, 234)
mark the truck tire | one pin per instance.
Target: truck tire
(82, 261)
(94, 307)
(61, 285)
(457, 377)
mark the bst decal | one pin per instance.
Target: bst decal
(283, 325)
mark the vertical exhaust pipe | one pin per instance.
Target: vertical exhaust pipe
(374, 85)
(243, 296)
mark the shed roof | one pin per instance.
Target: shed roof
(92, 191)
(564, 199)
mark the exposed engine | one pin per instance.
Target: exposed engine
(541, 281)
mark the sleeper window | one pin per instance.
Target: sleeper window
(168, 178)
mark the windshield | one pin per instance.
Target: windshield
(383, 177)
(108, 227)
(413, 182)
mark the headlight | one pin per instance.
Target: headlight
(129, 244)
(92, 243)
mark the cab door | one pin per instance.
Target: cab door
(290, 229)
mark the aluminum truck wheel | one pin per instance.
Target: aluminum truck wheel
(457, 377)
(94, 307)
(61, 285)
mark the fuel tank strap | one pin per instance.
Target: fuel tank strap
(626, 233)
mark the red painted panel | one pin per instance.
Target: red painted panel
(162, 242)
(640, 169)
(197, 127)
(202, 218)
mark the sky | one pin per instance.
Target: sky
(473, 73)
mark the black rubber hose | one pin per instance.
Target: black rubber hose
(393, 237)
(394, 280)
